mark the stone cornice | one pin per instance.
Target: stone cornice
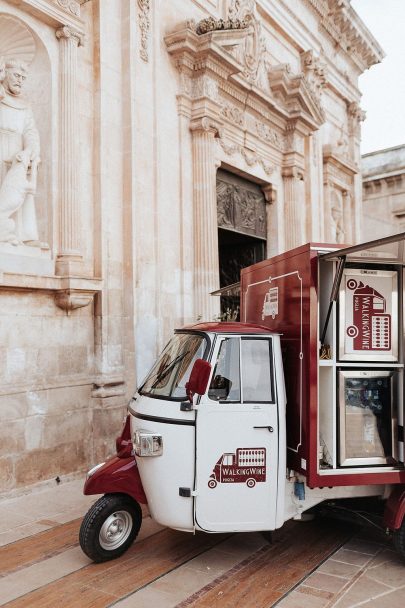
(343, 25)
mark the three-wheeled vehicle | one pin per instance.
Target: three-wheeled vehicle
(243, 426)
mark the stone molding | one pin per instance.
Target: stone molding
(337, 167)
(56, 13)
(69, 292)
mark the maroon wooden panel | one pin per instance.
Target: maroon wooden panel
(282, 294)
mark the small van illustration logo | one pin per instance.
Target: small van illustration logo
(247, 465)
(270, 304)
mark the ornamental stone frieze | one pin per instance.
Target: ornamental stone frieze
(251, 158)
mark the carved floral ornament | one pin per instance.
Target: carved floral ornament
(71, 6)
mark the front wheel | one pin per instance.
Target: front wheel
(110, 527)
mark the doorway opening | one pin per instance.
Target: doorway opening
(236, 251)
(242, 232)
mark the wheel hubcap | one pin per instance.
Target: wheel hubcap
(115, 530)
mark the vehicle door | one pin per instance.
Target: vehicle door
(237, 439)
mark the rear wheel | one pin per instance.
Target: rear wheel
(110, 527)
(399, 539)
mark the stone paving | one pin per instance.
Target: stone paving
(41, 563)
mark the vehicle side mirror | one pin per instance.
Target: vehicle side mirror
(198, 381)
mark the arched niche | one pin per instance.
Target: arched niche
(18, 40)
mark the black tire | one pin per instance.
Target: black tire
(110, 527)
(399, 539)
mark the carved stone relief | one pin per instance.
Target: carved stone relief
(19, 137)
(314, 71)
(254, 54)
(241, 208)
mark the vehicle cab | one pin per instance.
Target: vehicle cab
(213, 461)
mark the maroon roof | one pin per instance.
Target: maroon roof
(229, 328)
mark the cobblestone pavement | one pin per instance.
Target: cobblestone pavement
(319, 564)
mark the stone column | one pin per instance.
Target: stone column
(69, 259)
(294, 207)
(206, 259)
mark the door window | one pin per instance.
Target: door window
(257, 381)
(245, 363)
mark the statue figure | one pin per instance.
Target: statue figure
(19, 158)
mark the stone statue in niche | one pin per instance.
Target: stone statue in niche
(19, 158)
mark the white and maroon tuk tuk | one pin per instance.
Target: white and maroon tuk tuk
(243, 426)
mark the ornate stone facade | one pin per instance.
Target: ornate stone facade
(133, 107)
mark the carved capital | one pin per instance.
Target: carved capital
(293, 172)
(206, 124)
(70, 299)
(68, 33)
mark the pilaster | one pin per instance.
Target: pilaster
(294, 207)
(206, 263)
(69, 260)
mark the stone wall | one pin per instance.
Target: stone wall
(136, 105)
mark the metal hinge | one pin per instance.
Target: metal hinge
(187, 492)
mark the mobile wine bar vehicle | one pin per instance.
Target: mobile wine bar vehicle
(243, 426)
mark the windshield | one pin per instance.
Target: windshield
(171, 371)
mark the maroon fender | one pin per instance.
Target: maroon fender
(117, 475)
(395, 508)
